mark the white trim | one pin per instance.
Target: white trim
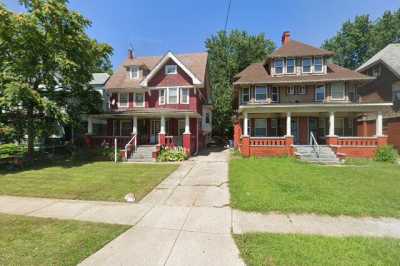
(119, 100)
(255, 93)
(131, 76)
(177, 95)
(169, 55)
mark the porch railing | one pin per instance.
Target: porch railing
(314, 144)
(267, 141)
(130, 147)
(358, 141)
(102, 141)
(173, 141)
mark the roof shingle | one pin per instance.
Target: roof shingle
(298, 49)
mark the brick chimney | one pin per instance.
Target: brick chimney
(130, 54)
(285, 37)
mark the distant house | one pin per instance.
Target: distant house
(297, 97)
(155, 101)
(99, 84)
(385, 67)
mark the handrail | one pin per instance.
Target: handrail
(315, 146)
(133, 139)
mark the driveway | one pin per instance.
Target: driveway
(189, 221)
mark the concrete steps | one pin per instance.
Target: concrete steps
(143, 153)
(308, 154)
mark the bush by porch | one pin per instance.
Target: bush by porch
(289, 186)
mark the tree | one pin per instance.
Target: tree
(360, 39)
(46, 59)
(228, 54)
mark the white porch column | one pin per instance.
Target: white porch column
(162, 125)
(187, 125)
(246, 124)
(332, 124)
(90, 126)
(134, 125)
(288, 124)
(379, 124)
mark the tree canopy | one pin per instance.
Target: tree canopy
(46, 62)
(360, 39)
(228, 54)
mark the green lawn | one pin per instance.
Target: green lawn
(38, 241)
(277, 249)
(86, 181)
(290, 186)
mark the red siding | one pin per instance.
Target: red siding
(162, 80)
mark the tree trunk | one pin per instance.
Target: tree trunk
(30, 131)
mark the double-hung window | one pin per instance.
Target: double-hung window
(134, 72)
(184, 95)
(170, 69)
(278, 64)
(290, 65)
(274, 94)
(172, 95)
(245, 95)
(123, 100)
(339, 126)
(274, 126)
(261, 94)
(161, 96)
(318, 64)
(260, 127)
(139, 99)
(320, 93)
(307, 65)
(337, 91)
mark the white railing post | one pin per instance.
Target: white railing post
(134, 125)
(288, 124)
(246, 124)
(187, 125)
(332, 124)
(379, 124)
(115, 150)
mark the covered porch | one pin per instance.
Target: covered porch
(276, 130)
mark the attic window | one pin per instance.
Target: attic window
(134, 72)
(170, 69)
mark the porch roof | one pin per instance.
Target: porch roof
(315, 107)
(148, 112)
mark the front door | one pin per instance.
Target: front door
(313, 127)
(154, 130)
(295, 130)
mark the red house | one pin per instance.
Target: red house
(298, 102)
(155, 101)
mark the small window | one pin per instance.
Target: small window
(306, 65)
(275, 95)
(139, 99)
(318, 64)
(291, 62)
(299, 90)
(337, 91)
(320, 93)
(261, 94)
(245, 95)
(134, 72)
(170, 69)
(278, 64)
(184, 95)
(123, 99)
(161, 97)
(260, 127)
(172, 95)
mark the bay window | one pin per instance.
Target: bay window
(172, 95)
(123, 99)
(318, 64)
(306, 65)
(278, 64)
(261, 94)
(290, 64)
(184, 95)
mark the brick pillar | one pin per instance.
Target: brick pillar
(186, 143)
(245, 149)
(332, 140)
(364, 128)
(161, 139)
(289, 145)
(382, 140)
(237, 133)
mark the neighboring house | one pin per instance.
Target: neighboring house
(99, 84)
(298, 91)
(156, 101)
(385, 67)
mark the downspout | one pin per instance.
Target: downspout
(197, 137)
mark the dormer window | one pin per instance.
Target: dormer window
(134, 72)
(278, 64)
(170, 69)
(306, 65)
(290, 64)
(318, 64)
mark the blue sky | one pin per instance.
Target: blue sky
(154, 27)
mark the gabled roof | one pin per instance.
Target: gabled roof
(390, 56)
(194, 62)
(257, 74)
(99, 78)
(298, 49)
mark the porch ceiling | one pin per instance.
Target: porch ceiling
(316, 108)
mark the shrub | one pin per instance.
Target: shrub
(386, 154)
(9, 150)
(172, 155)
